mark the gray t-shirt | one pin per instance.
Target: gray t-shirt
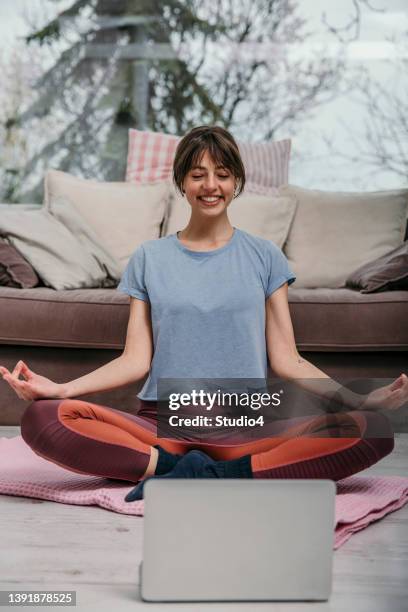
(208, 307)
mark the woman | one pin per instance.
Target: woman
(201, 301)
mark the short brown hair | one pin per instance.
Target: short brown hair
(221, 146)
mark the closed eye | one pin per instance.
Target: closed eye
(219, 176)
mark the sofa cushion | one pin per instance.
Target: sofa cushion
(87, 318)
(335, 233)
(264, 216)
(151, 154)
(346, 320)
(122, 215)
(323, 319)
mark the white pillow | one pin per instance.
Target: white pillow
(264, 216)
(334, 233)
(122, 215)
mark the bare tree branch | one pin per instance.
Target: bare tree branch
(382, 140)
(351, 31)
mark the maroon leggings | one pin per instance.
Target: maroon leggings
(92, 439)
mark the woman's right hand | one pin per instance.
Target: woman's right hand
(32, 386)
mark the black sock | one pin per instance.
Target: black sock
(194, 464)
(234, 468)
(166, 461)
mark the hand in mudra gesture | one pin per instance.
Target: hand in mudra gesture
(31, 386)
(389, 397)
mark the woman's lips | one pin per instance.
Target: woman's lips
(210, 203)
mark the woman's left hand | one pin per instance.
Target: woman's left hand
(389, 397)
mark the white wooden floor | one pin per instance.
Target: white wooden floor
(52, 546)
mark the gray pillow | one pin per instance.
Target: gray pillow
(15, 271)
(386, 273)
(59, 257)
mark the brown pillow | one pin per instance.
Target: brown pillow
(387, 273)
(15, 271)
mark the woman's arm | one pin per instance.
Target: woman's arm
(286, 362)
(132, 365)
(117, 373)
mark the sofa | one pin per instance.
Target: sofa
(65, 334)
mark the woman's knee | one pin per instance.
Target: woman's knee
(36, 417)
(379, 433)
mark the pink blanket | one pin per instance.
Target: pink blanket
(360, 500)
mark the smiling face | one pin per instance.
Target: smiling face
(209, 187)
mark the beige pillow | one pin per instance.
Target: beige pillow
(334, 233)
(264, 216)
(122, 215)
(68, 215)
(58, 256)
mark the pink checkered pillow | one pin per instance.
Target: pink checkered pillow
(151, 154)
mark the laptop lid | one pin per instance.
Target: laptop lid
(238, 540)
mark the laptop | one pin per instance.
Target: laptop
(238, 540)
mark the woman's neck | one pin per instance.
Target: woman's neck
(198, 232)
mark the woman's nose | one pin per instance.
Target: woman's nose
(210, 182)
